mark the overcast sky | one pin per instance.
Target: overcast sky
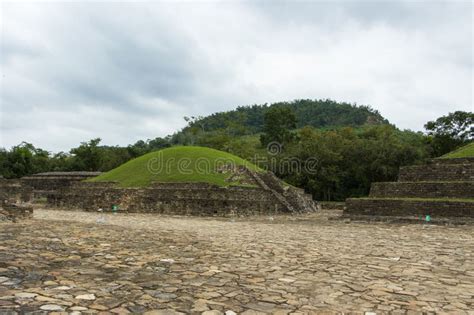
(129, 71)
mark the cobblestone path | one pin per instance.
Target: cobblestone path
(92, 263)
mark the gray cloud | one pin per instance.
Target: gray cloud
(123, 71)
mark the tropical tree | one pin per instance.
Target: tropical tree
(450, 131)
(278, 126)
(88, 156)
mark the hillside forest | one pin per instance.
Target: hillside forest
(352, 146)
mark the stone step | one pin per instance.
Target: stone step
(410, 207)
(407, 219)
(437, 172)
(423, 189)
(263, 180)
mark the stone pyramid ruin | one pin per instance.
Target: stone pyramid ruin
(443, 189)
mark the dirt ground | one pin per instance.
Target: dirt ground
(82, 262)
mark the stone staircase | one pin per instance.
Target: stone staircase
(442, 188)
(295, 200)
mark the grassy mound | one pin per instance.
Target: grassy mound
(176, 164)
(462, 152)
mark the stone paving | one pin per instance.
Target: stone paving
(78, 262)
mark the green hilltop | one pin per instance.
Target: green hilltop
(462, 152)
(316, 113)
(176, 164)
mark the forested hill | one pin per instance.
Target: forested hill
(315, 113)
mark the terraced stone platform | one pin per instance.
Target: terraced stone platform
(454, 170)
(443, 188)
(266, 195)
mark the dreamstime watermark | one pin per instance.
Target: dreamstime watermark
(273, 161)
(274, 148)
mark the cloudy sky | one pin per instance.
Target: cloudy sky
(126, 71)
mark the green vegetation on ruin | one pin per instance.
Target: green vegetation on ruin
(177, 164)
(463, 152)
(351, 146)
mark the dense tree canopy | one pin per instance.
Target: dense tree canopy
(315, 113)
(26, 159)
(278, 124)
(345, 161)
(332, 150)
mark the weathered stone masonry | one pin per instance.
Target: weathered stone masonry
(190, 199)
(46, 183)
(441, 188)
(437, 172)
(425, 189)
(182, 198)
(68, 190)
(406, 207)
(14, 190)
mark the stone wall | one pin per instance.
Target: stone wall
(14, 212)
(437, 172)
(440, 188)
(267, 195)
(466, 160)
(407, 207)
(176, 198)
(13, 190)
(332, 205)
(44, 183)
(423, 189)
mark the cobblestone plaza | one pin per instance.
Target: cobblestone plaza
(92, 263)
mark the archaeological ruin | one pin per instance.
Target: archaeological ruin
(263, 194)
(440, 189)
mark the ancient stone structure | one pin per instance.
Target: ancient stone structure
(443, 188)
(14, 212)
(331, 205)
(12, 198)
(423, 189)
(14, 191)
(45, 183)
(267, 196)
(263, 193)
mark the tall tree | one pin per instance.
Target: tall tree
(88, 156)
(23, 159)
(279, 123)
(451, 131)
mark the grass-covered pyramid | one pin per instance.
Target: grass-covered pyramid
(190, 167)
(178, 164)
